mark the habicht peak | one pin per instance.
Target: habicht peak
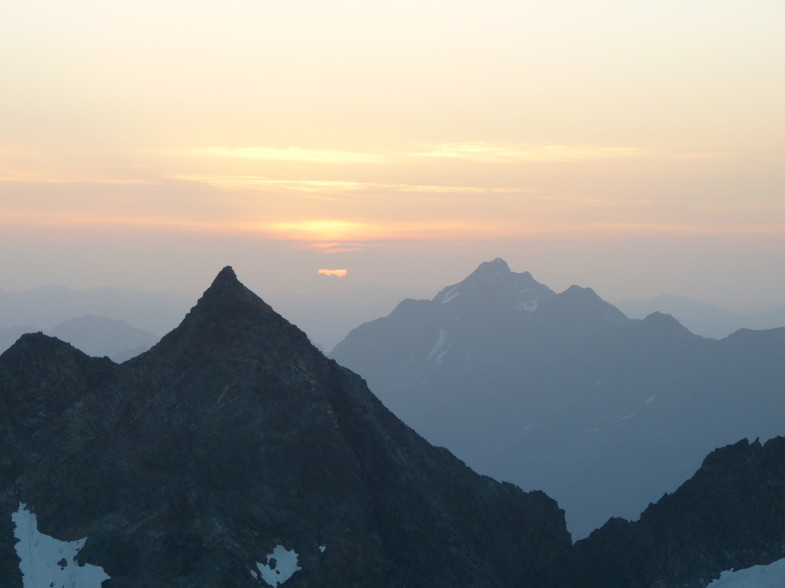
(228, 311)
(225, 280)
(228, 292)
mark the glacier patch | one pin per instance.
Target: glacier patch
(279, 566)
(49, 562)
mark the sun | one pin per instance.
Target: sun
(333, 273)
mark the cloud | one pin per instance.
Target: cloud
(294, 154)
(488, 153)
(333, 273)
(330, 186)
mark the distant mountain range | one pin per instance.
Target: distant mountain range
(48, 306)
(99, 336)
(563, 392)
(326, 314)
(234, 454)
(96, 336)
(702, 318)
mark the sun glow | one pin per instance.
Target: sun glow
(330, 230)
(334, 273)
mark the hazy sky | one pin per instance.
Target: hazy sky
(635, 147)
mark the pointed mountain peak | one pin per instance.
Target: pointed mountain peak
(494, 284)
(226, 275)
(579, 292)
(665, 322)
(496, 267)
(229, 311)
(226, 290)
(225, 281)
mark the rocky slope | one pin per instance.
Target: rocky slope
(232, 443)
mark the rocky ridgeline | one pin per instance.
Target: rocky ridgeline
(234, 436)
(233, 453)
(729, 515)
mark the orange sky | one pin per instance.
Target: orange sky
(361, 130)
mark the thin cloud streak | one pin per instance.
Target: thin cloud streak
(487, 153)
(480, 152)
(330, 186)
(295, 154)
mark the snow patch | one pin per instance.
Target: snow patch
(322, 548)
(450, 295)
(770, 576)
(527, 305)
(279, 566)
(49, 562)
(436, 350)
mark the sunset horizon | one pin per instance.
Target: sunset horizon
(404, 143)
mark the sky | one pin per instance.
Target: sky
(634, 147)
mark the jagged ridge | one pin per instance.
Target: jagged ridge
(189, 463)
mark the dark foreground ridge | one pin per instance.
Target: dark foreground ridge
(234, 441)
(192, 462)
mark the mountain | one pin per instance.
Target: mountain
(9, 335)
(99, 336)
(233, 453)
(47, 306)
(704, 319)
(562, 392)
(94, 335)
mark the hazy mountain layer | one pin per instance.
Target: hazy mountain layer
(562, 392)
(701, 318)
(48, 306)
(94, 335)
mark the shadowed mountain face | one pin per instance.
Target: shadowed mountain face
(563, 393)
(233, 439)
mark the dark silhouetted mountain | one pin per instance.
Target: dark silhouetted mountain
(99, 336)
(729, 515)
(9, 335)
(233, 442)
(563, 393)
(701, 318)
(96, 336)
